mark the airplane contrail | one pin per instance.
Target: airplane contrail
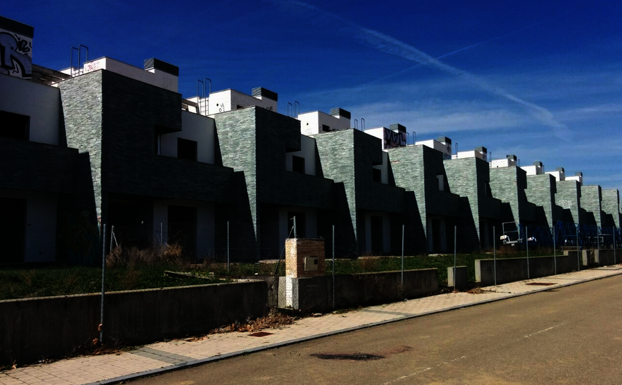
(393, 46)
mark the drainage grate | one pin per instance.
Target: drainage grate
(540, 283)
(350, 356)
(260, 334)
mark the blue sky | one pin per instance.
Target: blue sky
(538, 79)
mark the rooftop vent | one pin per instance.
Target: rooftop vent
(511, 158)
(156, 64)
(340, 113)
(397, 127)
(561, 169)
(444, 140)
(260, 92)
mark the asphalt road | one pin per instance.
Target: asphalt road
(565, 336)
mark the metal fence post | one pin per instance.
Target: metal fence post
(455, 259)
(402, 279)
(527, 243)
(333, 266)
(494, 253)
(295, 233)
(554, 251)
(613, 235)
(227, 246)
(578, 256)
(101, 321)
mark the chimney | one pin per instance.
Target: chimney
(16, 46)
(340, 113)
(539, 167)
(397, 128)
(155, 65)
(260, 93)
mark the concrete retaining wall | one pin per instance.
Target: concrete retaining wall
(31, 329)
(315, 294)
(515, 269)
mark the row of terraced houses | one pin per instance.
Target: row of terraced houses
(105, 142)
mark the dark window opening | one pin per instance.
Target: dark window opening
(325, 128)
(377, 175)
(298, 164)
(240, 107)
(157, 142)
(186, 149)
(376, 235)
(301, 225)
(12, 230)
(14, 126)
(440, 179)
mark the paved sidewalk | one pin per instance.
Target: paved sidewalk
(163, 356)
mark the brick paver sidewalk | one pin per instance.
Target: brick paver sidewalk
(162, 356)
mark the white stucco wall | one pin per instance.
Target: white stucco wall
(154, 77)
(311, 122)
(438, 146)
(40, 102)
(193, 127)
(533, 170)
(307, 152)
(41, 214)
(502, 163)
(228, 100)
(559, 175)
(206, 223)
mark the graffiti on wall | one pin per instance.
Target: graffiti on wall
(393, 139)
(15, 55)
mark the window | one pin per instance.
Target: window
(440, 179)
(377, 175)
(325, 128)
(298, 164)
(186, 149)
(14, 126)
(157, 143)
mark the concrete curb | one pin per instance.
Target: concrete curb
(503, 296)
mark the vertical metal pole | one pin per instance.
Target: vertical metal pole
(227, 246)
(598, 238)
(295, 233)
(455, 258)
(101, 321)
(494, 253)
(554, 251)
(578, 256)
(615, 260)
(402, 279)
(527, 240)
(333, 266)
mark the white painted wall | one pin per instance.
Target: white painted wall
(533, 169)
(206, 223)
(229, 100)
(386, 231)
(578, 178)
(559, 175)
(502, 163)
(154, 77)
(193, 127)
(438, 146)
(310, 222)
(307, 152)
(41, 214)
(311, 122)
(40, 102)
(469, 154)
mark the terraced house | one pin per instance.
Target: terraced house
(105, 142)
